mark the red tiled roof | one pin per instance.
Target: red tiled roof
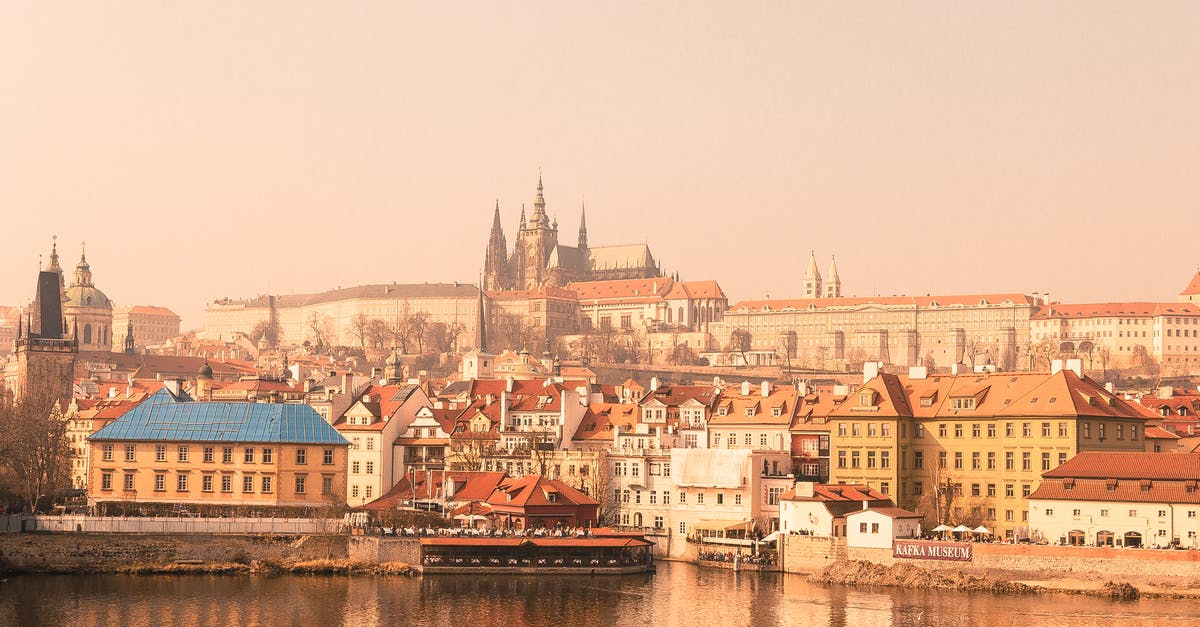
(152, 310)
(601, 420)
(1193, 288)
(1158, 433)
(891, 512)
(623, 289)
(1125, 491)
(969, 300)
(838, 492)
(1129, 465)
(695, 289)
(532, 490)
(1113, 310)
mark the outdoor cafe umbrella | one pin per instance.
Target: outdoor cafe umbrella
(961, 529)
(941, 528)
(983, 530)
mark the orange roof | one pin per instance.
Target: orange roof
(1130, 466)
(603, 419)
(152, 310)
(1158, 433)
(621, 289)
(534, 490)
(838, 492)
(695, 289)
(1193, 288)
(899, 301)
(1113, 310)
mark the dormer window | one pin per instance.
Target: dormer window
(552, 497)
(962, 402)
(750, 411)
(776, 411)
(866, 399)
(722, 411)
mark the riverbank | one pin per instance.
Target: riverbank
(903, 575)
(256, 567)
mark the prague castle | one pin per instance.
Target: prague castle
(539, 260)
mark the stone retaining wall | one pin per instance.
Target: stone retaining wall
(379, 550)
(169, 524)
(109, 551)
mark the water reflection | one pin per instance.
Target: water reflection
(680, 594)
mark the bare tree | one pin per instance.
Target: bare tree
(377, 333)
(34, 453)
(265, 330)
(320, 329)
(821, 355)
(511, 331)
(359, 326)
(971, 348)
(740, 342)
(937, 502)
(596, 481)
(418, 327)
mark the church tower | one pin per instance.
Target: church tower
(88, 310)
(833, 286)
(534, 244)
(812, 279)
(582, 229)
(495, 263)
(45, 353)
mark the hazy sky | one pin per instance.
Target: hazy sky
(210, 149)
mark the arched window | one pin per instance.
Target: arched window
(681, 315)
(87, 333)
(669, 321)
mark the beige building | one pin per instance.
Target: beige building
(87, 310)
(330, 317)
(1120, 335)
(827, 333)
(152, 326)
(181, 453)
(983, 440)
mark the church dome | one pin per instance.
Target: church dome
(205, 371)
(87, 296)
(392, 359)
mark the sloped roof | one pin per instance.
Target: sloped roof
(1129, 465)
(1113, 310)
(967, 300)
(1192, 288)
(835, 492)
(601, 420)
(621, 289)
(622, 256)
(378, 290)
(163, 419)
(695, 289)
(532, 490)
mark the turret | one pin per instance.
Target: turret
(812, 278)
(583, 227)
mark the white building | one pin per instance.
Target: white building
(820, 509)
(876, 528)
(1119, 499)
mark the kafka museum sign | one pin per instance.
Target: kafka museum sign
(942, 551)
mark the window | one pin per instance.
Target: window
(941, 431)
(181, 483)
(1026, 460)
(1062, 458)
(129, 452)
(106, 481)
(666, 497)
(737, 499)
(129, 485)
(856, 429)
(1009, 491)
(762, 440)
(682, 497)
(658, 522)
(1008, 429)
(1062, 429)
(1045, 429)
(841, 459)
(370, 444)
(1162, 513)
(160, 453)
(635, 470)
(720, 498)
(958, 430)
(991, 430)
(1026, 429)
(206, 483)
(918, 488)
(885, 487)
(1087, 429)
(160, 482)
(842, 429)
(918, 460)
(247, 483)
(854, 459)
(885, 459)
(872, 429)
(1045, 461)
(920, 430)
(683, 528)
(991, 490)
(327, 457)
(1074, 512)
(974, 489)
(268, 456)
(976, 461)
(870, 459)
(958, 460)
(975, 430)
(301, 458)
(300, 484)
(1008, 515)
(700, 498)
(1024, 490)
(637, 497)
(354, 491)
(266, 485)
(1133, 513)
(107, 453)
(941, 459)
(355, 467)
(773, 495)
(1009, 460)
(1049, 513)
(862, 527)
(208, 454)
(327, 486)
(886, 429)
(653, 497)
(991, 460)
(226, 483)
(249, 455)
(227, 455)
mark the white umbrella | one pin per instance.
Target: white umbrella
(983, 530)
(941, 528)
(961, 529)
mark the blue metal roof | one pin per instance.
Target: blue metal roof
(165, 419)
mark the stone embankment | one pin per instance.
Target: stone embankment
(201, 553)
(856, 572)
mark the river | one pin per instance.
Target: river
(679, 594)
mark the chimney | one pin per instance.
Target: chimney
(653, 384)
(745, 388)
(489, 399)
(802, 388)
(348, 382)
(1110, 387)
(308, 383)
(1076, 366)
(1165, 392)
(766, 389)
(804, 489)
(112, 392)
(508, 383)
(870, 370)
(866, 505)
(918, 372)
(1056, 366)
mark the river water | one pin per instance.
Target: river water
(679, 594)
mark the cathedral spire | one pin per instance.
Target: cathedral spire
(522, 216)
(481, 338)
(54, 267)
(582, 226)
(812, 278)
(539, 219)
(83, 271)
(833, 284)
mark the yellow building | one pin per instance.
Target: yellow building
(173, 451)
(970, 448)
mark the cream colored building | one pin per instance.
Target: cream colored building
(1121, 499)
(152, 326)
(1113, 335)
(87, 310)
(826, 333)
(331, 315)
